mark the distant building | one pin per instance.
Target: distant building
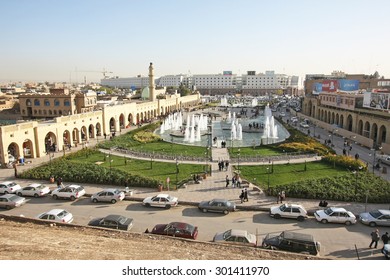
(58, 102)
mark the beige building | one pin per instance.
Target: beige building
(79, 125)
(58, 102)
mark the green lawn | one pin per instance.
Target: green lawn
(287, 173)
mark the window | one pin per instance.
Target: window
(66, 102)
(28, 102)
(37, 102)
(56, 102)
(47, 102)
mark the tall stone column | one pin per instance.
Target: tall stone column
(152, 96)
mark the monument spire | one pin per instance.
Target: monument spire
(152, 96)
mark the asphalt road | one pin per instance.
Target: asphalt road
(337, 241)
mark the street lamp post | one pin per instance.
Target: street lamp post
(268, 179)
(177, 173)
(151, 160)
(374, 158)
(238, 166)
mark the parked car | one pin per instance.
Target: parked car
(236, 236)
(335, 215)
(386, 251)
(292, 242)
(176, 229)
(375, 218)
(113, 222)
(160, 200)
(69, 192)
(217, 205)
(304, 125)
(9, 187)
(108, 195)
(9, 201)
(294, 211)
(57, 215)
(384, 159)
(35, 190)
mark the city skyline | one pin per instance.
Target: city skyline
(69, 41)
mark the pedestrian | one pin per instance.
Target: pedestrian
(227, 181)
(278, 198)
(227, 165)
(242, 196)
(105, 135)
(344, 152)
(282, 196)
(246, 195)
(385, 238)
(59, 182)
(374, 238)
(357, 156)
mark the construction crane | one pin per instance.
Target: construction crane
(104, 72)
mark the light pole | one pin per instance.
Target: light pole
(333, 131)
(238, 166)
(374, 158)
(356, 172)
(151, 160)
(314, 129)
(177, 173)
(268, 180)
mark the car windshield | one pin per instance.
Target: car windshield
(14, 198)
(78, 189)
(375, 214)
(328, 211)
(282, 207)
(11, 184)
(117, 192)
(40, 187)
(62, 214)
(122, 220)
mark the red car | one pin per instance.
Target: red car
(176, 229)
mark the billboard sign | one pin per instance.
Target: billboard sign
(329, 85)
(349, 85)
(227, 73)
(317, 87)
(376, 100)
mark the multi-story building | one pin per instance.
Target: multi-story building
(269, 82)
(171, 81)
(57, 102)
(138, 82)
(212, 84)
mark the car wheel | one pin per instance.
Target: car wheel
(277, 216)
(72, 198)
(36, 195)
(348, 223)
(19, 194)
(8, 207)
(147, 204)
(167, 206)
(204, 210)
(113, 201)
(94, 200)
(5, 192)
(55, 196)
(372, 224)
(324, 221)
(301, 218)
(225, 212)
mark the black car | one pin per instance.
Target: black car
(113, 222)
(292, 242)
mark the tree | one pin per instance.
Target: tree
(183, 90)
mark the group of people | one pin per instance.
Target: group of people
(236, 181)
(223, 165)
(244, 195)
(375, 237)
(281, 197)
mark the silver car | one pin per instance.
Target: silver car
(217, 205)
(375, 218)
(9, 201)
(108, 195)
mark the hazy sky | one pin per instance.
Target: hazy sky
(46, 40)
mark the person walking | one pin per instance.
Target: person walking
(246, 195)
(242, 196)
(385, 238)
(374, 238)
(282, 196)
(227, 181)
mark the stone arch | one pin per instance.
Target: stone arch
(28, 149)
(28, 102)
(366, 130)
(112, 125)
(310, 108)
(349, 123)
(360, 127)
(341, 124)
(382, 135)
(122, 121)
(66, 138)
(130, 120)
(333, 118)
(84, 135)
(138, 118)
(337, 119)
(91, 131)
(13, 150)
(374, 133)
(75, 136)
(50, 142)
(98, 128)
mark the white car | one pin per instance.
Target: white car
(108, 195)
(9, 187)
(335, 215)
(35, 190)
(57, 215)
(384, 159)
(9, 201)
(294, 211)
(304, 125)
(161, 200)
(69, 192)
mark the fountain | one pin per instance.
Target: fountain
(224, 102)
(254, 102)
(270, 129)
